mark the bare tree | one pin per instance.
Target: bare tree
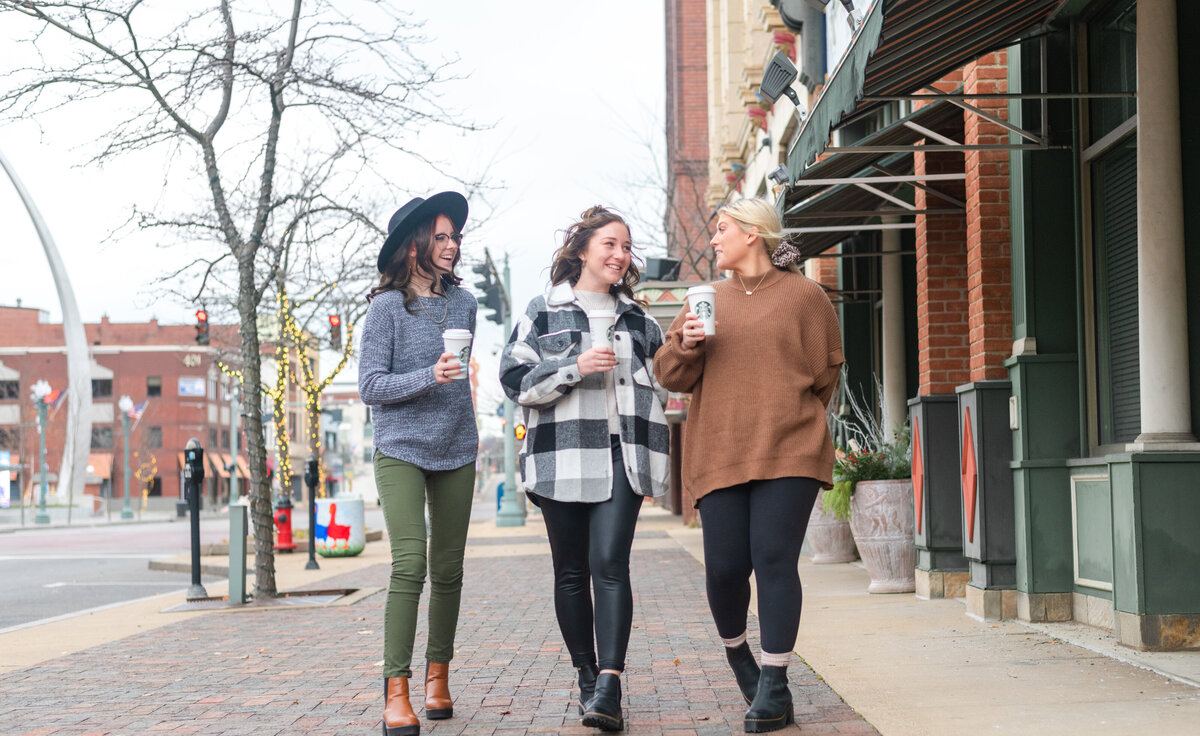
(272, 123)
(669, 206)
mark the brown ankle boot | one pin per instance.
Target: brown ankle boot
(398, 716)
(437, 691)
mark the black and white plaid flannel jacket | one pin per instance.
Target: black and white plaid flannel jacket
(567, 454)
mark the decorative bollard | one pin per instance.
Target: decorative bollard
(340, 527)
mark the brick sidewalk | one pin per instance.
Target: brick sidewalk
(318, 671)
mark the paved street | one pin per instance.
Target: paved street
(40, 587)
(54, 571)
(58, 570)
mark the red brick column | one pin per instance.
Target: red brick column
(825, 272)
(943, 349)
(989, 273)
(687, 138)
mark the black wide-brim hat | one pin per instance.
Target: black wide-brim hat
(450, 204)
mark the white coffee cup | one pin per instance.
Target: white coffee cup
(458, 342)
(702, 301)
(602, 324)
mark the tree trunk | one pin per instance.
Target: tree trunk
(261, 517)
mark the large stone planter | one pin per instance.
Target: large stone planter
(829, 537)
(881, 517)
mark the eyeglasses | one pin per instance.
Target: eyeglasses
(441, 238)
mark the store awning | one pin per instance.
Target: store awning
(219, 463)
(243, 467)
(904, 45)
(99, 468)
(842, 193)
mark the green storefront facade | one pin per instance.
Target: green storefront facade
(1089, 509)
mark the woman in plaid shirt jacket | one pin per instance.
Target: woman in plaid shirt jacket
(597, 443)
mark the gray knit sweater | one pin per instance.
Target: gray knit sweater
(416, 419)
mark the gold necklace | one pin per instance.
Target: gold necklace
(750, 292)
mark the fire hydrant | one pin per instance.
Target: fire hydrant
(283, 524)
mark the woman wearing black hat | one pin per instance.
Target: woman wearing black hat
(425, 441)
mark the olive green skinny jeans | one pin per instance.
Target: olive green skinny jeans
(403, 491)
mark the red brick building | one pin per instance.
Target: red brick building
(187, 397)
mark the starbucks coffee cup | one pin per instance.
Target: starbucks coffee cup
(458, 342)
(702, 301)
(602, 324)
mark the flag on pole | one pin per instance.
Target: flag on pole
(135, 413)
(54, 399)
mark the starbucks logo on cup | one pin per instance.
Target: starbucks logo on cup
(464, 356)
(611, 329)
(704, 310)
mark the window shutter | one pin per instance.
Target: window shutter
(1117, 274)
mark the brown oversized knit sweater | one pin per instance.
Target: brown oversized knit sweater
(759, 386)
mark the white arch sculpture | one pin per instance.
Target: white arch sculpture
(79, 398)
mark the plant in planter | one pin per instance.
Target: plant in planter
(873, 489)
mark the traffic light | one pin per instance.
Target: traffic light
(494, 301)
(519, 431)
(335, 331)
(489, 284)
(201, 327)
(485, 276)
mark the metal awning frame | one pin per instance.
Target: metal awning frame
(850, 228)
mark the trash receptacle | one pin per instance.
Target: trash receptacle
(340, 528)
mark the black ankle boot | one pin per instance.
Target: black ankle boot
(603, 711)
(587, 683)
(745, 669)
(772, 706)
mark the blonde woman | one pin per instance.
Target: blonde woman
(757, 449)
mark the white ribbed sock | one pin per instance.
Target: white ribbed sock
(735, 643)
(776, 660)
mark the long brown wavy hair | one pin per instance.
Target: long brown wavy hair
(398, 276)
(567, 264)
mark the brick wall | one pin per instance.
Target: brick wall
(989, 284)
(942, 341)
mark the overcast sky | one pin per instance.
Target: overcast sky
(574, 90)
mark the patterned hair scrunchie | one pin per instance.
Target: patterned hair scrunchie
(785, 255)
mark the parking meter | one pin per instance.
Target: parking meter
(193, 475)
(312, 474)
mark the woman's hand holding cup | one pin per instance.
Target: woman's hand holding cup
(693, 331)
(599, 359)
(446, 368)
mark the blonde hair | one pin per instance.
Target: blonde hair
(763, 217)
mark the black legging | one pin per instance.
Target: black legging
(590, 543)
(757, 526)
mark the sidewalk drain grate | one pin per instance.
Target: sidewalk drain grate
(284, 600)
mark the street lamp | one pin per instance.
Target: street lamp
(41, 390)
(126, 405)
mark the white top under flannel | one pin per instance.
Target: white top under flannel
(594, 302)
(567, 455)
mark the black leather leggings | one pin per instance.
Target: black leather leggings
(757, 527)
(590, 544)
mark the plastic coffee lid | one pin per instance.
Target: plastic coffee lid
(702, 289)
(457, 333)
